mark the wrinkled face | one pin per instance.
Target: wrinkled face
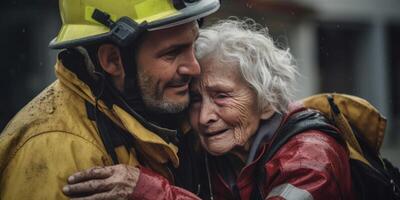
(223, 108)
(166, 64)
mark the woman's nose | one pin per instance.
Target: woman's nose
(207, 114)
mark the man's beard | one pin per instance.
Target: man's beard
(154, 99)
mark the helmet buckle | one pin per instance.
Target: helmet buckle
(124, 31)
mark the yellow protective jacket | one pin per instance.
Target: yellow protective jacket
(52, 138)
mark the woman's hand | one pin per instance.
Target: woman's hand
(110, 182)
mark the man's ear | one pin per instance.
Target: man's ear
(110, 60)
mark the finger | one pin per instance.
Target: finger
(87, 187)
(100, 196)
(93, 173)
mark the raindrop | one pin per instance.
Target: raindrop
(50, 109)
(249, 5)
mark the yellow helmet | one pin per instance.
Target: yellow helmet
(121, 21)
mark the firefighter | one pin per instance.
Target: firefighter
(122, 86)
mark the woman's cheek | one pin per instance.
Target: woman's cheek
(243, 128)
(240, 137)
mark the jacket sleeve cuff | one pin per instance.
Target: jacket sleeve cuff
(152, 186)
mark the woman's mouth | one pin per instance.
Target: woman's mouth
(214, 133)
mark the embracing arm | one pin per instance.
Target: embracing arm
(153, 186)
(123, 182)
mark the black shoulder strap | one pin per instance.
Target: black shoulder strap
(111, 135)
(297, 123)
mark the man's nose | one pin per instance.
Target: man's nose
(190, 66)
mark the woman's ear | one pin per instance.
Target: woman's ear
(110, 60)
(267, 113)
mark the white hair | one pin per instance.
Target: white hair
(268, 70)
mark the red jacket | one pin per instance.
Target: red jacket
(311, 165)
(152, 186)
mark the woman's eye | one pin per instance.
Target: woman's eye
(221, 96)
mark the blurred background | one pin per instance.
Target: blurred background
(344, 46)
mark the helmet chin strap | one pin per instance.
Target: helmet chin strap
(131, 93)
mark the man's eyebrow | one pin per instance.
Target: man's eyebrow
(172, 47)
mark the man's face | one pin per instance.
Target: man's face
(166, 63)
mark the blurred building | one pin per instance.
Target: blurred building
(27, 64)
(345, 46)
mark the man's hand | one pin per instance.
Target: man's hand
(111, 182)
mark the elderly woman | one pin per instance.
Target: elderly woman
(238, 102)
(237, 105)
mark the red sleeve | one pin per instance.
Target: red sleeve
(152, 186)
(311, 165)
